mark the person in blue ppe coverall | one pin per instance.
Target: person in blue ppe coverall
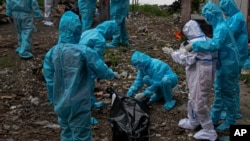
(119, 12)
(157, 75)
(200, 70)
(21, 12)
(87, 10)
(247, 64)
(227, 70)
(96, 39)
(67, 69)
(237, 23)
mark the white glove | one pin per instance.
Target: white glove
(187, 48)
(167, 50)
(139, 96)
(117, 75)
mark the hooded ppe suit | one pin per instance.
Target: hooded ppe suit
(200, 69)
(96, 39)
(87, 9)
(67, 70)
(237, 23)
(118, 12)
(227, 70)
(21, 12)
(157, 75)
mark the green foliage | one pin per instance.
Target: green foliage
(40, 2)
(111, 58)
(150, 10)
(6, 62)
(245, 78)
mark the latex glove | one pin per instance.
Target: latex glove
(167, 50)
(117, 76)
(139, 96)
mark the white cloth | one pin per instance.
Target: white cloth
(188, 124)
(206, 134)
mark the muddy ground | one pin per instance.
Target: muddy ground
(25, 114)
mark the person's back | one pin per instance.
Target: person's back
(237, 23)
(67, 70)
(227, 70)
(21, 11)
(96, 37)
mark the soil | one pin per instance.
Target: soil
(27, 116)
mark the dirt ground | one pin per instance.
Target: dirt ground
(27, 116)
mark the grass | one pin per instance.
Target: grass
(153, 10)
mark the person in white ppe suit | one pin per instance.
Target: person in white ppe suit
(49, 8)
(200, 69)
(67, 69)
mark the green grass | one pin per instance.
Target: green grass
(153, 10)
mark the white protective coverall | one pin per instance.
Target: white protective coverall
(200, 69)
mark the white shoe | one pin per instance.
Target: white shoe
(206, 134)
(188, 124)
(48, 23)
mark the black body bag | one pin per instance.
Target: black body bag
(129, 118)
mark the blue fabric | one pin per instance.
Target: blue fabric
(247, 64)
(96, 37)
(237, 23)
(21, 12)
(118, 12)
(157, 75)
(227, 71)
(69, 32)
(87, 9)
(67, 69)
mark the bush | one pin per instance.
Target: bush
(150, 10)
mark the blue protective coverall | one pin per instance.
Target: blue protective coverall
(67, 70)
(96, 39)
(237, 23)
(200, 70)
(87, 10)
(157, 75)
(21, 12)
(227, 71)
(119, 12)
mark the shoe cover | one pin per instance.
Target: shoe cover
(98, 104)
(48, 23)
(94, 121)
(26, 55)
(154, 98)
(223, 115)
(112, 45)
(206, 134)
(188, 124)
(169, 104)
(223, 127)
(18, 50)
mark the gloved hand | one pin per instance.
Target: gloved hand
(139, 96)
(117, 76)
(186, 47)
(167, 50)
